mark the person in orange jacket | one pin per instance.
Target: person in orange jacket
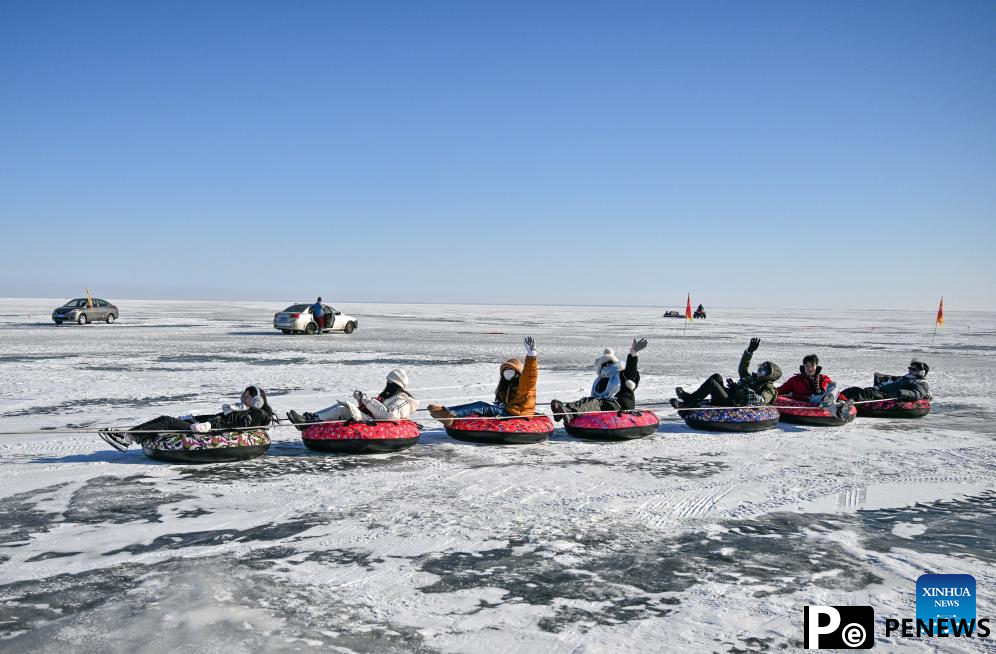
(514, 396)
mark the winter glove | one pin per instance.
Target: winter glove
(200, 427)
(754, 344)
(360, 397)
(530, 344)
(730, 383)
(630, 384)
(638, 344)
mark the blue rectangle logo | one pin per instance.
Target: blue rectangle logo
(945, 596)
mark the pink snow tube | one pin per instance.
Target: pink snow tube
(353, 437)
(805, 413)
(502, 431)
(893, 409)
(613, 425)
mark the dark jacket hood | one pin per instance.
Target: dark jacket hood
(774, 372)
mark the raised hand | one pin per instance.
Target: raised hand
(530, 344)
(754, 344)
(639, 344)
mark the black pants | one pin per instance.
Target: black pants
(858, 394)
(164, 423)
(714, 389)
(587, 404)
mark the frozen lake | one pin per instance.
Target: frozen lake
(683, 541)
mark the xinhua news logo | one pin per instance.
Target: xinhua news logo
(838, 627)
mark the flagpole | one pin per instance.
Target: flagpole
(935, 333)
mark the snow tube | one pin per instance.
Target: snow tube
(502, 431)
(734, 418)
(806, 413)
(614, 425)
(353, 437)
(894, 409)
(217, 447)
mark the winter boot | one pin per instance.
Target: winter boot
(297, 419)
(844, 409)
(557, 407)
(116, 439)
(439, 412)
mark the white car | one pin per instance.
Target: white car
(298, 318)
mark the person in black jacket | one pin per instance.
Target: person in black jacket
(253, 411)
(751, 389)
(612, 390)
(908, 388)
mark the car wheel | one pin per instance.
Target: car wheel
(110, 318)
(82, 320)
(349, 328)
(58, 322)
(286, 331)
(311, 328)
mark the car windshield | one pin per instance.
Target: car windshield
(75, 303)
(297, 308)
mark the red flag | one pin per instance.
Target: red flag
(688, 309)
(940, 314)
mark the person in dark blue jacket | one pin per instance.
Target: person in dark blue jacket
(319, 314)
(906, 388)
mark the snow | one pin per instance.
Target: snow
(683, 541)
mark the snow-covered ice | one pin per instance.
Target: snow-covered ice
(683, 541)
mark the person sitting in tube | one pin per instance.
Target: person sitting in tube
(612, 389)
(395, 402)
(751, 389)
(906, 388)
(812, 386)
(252, 411)
(514, 396)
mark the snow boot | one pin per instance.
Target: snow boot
(116, 439)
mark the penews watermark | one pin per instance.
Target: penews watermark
(838, 627)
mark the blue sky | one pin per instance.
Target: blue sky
(795, 154)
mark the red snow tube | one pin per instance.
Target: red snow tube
(353, 437)
(893, 409)
(806, 413)
(613, 425)
(502, 431)
(734, 418)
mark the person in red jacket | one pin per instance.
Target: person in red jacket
(812, 386)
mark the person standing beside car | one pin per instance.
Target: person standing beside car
(316, 311)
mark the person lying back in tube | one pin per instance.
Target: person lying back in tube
(514, 396)
(252, 411)
(751, 389)
(392, 403)
(613, 388)
(906, 388)
(812, 386)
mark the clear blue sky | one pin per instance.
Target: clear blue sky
(796, 154)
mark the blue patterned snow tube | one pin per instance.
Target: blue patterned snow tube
(734, 418)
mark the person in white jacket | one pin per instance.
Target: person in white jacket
(393, 403)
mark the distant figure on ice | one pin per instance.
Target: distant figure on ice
(699, 312)
(908, 388)
(514, 396)
(253, 411)
(612, 389)
(751, 389)
(393, 403)
(812, 386)
(319, 314)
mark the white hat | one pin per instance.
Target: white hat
(608, 356)
(399, 377)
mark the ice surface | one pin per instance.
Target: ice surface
(684, 541)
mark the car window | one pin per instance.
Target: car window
(101, 303)
(327, 309)
(80, 303)
(296, 308)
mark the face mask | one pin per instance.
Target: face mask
(508, 374)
